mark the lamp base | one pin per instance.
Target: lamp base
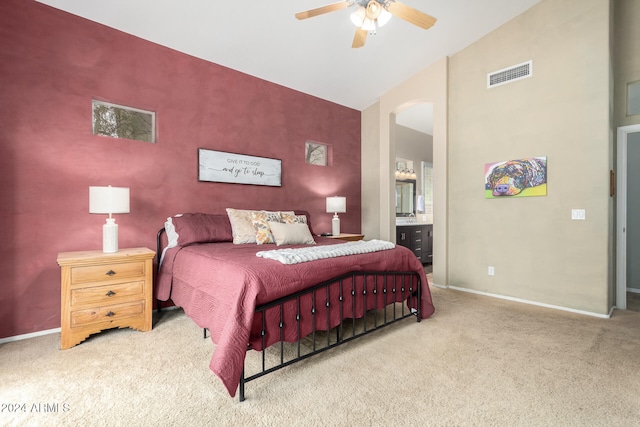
(110, 236)
(335, 225)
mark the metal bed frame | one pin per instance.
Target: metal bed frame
(387, 283)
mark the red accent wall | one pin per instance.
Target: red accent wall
(52, 64)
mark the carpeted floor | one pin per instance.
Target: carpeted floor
(477, 361)
(633, 301)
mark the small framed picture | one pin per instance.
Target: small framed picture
(316, 153)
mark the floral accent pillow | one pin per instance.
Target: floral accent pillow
(260, 221)
(291, 218)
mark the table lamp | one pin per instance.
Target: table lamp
(336, 205)
(109, 200)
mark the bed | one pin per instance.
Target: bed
(249, 302)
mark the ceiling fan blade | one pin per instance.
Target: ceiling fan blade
(411, 15)
(359, 38)
(322, 10)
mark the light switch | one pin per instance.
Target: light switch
(578, 214)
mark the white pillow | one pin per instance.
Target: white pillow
(172, 235)
(172, 238)
(241, 226)
(291, 234)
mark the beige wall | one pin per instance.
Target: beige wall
(563, 113)
(429, 85)
(370, 154)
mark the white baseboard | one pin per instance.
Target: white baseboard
(27, 336)
(53, 331)
(633, 290)
(539, 304)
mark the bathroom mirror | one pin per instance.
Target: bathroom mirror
(405, 197)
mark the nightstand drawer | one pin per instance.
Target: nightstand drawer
(107, 293)
(106, 314)
(95, 273)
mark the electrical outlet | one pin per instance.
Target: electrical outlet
(491, 271)
(578, 214)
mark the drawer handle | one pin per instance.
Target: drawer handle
(110, 293)
(110, 273)
(110, 314)
(418, 249)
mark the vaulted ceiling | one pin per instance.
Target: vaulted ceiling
(314, 56)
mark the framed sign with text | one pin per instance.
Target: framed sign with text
(220, 166)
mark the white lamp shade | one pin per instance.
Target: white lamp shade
(336, 204)
(368, 24)
(108, 200)
(358, 16)
(383, 18)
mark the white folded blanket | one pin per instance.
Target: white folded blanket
(312, 253)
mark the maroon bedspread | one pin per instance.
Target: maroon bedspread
(219, 285)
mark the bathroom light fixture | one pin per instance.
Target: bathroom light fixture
(402, 173)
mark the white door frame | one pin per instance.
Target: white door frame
(621, 217)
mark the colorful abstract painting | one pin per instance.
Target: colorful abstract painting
(516, 178)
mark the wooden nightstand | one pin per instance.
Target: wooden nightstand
(347, 237)
(102, 291)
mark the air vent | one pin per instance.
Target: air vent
(511, 74)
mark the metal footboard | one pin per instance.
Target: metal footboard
(383, 298)
(339, 310)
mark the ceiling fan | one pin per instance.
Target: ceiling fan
(372, 14)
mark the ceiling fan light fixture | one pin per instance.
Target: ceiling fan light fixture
(383, 18)
(368, 25)
(373, 10)
(358, 16)
(371, 14)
